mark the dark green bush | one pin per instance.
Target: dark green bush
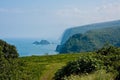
(8, 50)
(10, 69)
(84, 64)
(107, 58)
(118, 76)
(108, 50)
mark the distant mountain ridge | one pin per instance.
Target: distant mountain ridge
(90, 37)
(82, 29)
(91, 40)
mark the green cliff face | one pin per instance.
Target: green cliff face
(91, 40)
(82, 29)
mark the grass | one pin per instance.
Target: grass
(98, 75)
(44, 67)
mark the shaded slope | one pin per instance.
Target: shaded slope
(82, 29)
(91, 40)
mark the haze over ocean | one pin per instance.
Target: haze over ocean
(25, 47)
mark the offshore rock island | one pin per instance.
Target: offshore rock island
(42, 42)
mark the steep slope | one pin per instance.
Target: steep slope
(91, 40)
(82, 29)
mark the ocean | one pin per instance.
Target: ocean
(25, 47)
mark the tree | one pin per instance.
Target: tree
(8, 50)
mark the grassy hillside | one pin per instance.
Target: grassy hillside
(44, 67)
(105, 64)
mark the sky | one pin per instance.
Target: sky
(49, 18)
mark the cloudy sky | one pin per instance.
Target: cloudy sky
(49, 18)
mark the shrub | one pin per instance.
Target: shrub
(118, 76)
(84, 64)
(107, 58)
(9, 63)
(8, 50)
(108, 50)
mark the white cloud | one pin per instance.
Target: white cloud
(109, 11)
(69, 12)
(110, 8)
(77, 15)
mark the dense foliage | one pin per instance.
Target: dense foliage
(91, 40)
(8, 50)
(9, 64)
(107, 58)
(85, 64)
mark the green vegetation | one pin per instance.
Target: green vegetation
(97, 75)
(103, 64)
(91, 40)
(107, 59)
(13, 67)
(44, 67)
(85, 64)
(9, 64)
(9, 51)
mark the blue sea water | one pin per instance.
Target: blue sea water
(25, 47)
